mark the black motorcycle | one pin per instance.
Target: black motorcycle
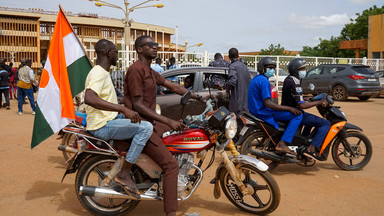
(350, 148)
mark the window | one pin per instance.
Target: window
(314, 71)
(216, 80)
(186, 80)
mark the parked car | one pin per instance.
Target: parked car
(342, 81)
(170, 102)
(380, 73)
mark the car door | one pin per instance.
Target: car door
(311, 81)
(168, 101)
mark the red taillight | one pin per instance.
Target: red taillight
(355, 77)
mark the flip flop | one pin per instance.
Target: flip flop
(286, 150)
(129, 189)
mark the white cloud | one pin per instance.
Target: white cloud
(314, 22)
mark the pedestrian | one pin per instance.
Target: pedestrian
(157, 67)
(12, 83)
(219, 61)
(140, 95)
(238, 81)
(24, 86)
(172, 63)
(4, 87)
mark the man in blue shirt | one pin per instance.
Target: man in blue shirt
(157, 67)
(260, 104)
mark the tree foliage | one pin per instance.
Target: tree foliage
(273, 50)
(356, 30)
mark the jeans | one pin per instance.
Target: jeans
(121, 128)
(321, 124)
(4, 92)
(294, 123)
(21, 93)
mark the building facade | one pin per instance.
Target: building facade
(26, 33)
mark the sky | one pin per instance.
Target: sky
(248, 25)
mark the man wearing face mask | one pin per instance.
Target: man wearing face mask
(293, 97)
(260, 104)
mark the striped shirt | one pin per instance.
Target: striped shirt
(99, 80)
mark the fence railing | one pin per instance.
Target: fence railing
(193, 59)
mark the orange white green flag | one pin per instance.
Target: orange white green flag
(63, 77)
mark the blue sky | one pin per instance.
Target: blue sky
(249, 25)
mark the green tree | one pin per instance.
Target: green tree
(356, 30)
(273, 50)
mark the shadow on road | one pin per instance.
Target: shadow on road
(300, 170)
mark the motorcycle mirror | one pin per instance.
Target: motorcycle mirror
(185, 98)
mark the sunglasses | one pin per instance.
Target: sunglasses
(151, 44)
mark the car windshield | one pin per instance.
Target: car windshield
(363, 70)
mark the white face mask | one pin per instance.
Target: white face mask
(302, 74)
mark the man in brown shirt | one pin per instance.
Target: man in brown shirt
(140, 95)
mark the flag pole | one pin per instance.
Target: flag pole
(82, 47)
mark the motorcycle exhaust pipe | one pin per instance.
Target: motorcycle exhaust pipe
(110, 193)
(67, 149)
(274, 157)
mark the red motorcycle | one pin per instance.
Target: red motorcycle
(244, 180)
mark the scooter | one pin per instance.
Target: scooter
(350, 147)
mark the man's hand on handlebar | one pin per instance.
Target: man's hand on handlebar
(176, 125)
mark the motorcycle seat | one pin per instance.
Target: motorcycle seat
(282, 125)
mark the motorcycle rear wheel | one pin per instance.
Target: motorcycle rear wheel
(265, 197)
(91, 173)
(361, 146)
(259, 141)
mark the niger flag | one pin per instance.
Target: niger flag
(63, 77)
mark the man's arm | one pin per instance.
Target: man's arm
(268, 103)
(180, 90)
(307, 105)
(93, 100)
(150, 114)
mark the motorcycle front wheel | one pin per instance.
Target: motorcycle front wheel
(265, 193)
(258, 141)
(361, 148)
(92, 173)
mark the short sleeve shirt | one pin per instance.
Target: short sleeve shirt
(292, 92)
(99, 80)
(141, 80)
(259, 90)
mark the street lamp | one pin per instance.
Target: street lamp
(195, 45)
(127, 11)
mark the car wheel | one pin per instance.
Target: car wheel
(364, 98)
(339, 93)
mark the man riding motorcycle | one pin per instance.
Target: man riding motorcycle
(103, 120)
(260, 104)
(293, 97)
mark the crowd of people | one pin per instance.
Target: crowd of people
(17, 83)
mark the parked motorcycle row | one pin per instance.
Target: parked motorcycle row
(243, 176)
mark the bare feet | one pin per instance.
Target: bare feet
(311, 148)
(282, 147)
(125, 180)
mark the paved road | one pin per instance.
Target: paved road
(30, 179)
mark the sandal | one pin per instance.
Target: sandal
(286, 150)
(129, 189)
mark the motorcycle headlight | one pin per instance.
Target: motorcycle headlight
(158, 109)
(230, 128)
